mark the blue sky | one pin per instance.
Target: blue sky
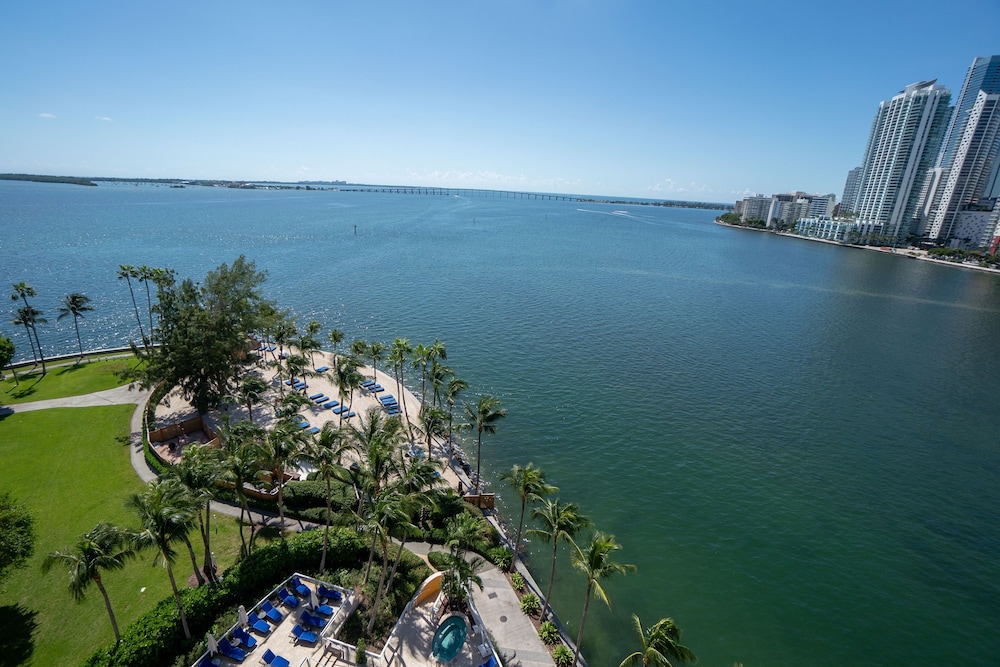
(675, 100)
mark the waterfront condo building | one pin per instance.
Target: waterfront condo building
(849, 202)
(903, 145)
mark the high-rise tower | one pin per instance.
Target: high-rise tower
(902, 146)
(984, 74)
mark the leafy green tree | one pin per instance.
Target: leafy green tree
(484, 417)
(76, 304)
(530, 485)
(17, 535)
(104, 548)
(596, 565)
(7, 356)
(560, 522)
(658, 644)
(163, 520)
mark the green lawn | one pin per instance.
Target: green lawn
(70, 467)
(68, 379)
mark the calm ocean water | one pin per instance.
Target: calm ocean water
(795, 443)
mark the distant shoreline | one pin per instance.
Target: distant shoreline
(909, 253)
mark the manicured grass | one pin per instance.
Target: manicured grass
(69, 379)
(70, 467)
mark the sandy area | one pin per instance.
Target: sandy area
(174, 408)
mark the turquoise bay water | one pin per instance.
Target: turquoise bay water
(795, 443)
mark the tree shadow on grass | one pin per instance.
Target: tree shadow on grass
(17, 641)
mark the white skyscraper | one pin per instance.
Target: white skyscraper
(902, 145)
(970, 165)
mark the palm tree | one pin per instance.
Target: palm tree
(659, 643)
(282, 444)
(200, 471)
(484, 417)
(376, 352)
(30, 316)
(432, 423)
(336, 336)
(346, 376)
(398, 356)
(22, 317)
(436, 352)
(325, 454)
(251, 391)
(359, 348)
(241, 465)
(308, 343)
(455, 387)
(530, 485)
(103, 549)
(128, 272)
(595, 563)
(162, 520)
(438, 377)
(559, 522)
(76, 304)
(420, 359)
(145, 275)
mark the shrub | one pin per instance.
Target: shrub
(501, 557)
(361, 658)
(549, 633)
(517, 581)
(562, 656)
(439, 559)
(530, 604)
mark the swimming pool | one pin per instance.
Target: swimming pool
(449, 638)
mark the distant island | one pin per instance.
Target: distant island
(340, 185)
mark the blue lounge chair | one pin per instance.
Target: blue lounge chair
(258, 625)
(314, 430)
(245, 638)
(337, 411)
(315, 396)
(287, 598)
(350, 414)
(271, 612)
(331, 404)
(325, 593)
(367, 383)
(232, 652)
(303, 424)
(323, 609)
(322, 398)
(377, 388)
(322, 369)
(299, 385)
(314, 621)
(492, 662)
(388, 400)
(288, 383)
(270, 658)
(299, 587)
(303, 635)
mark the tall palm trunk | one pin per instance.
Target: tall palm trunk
(517, 540)
(583, 619)
(479, 457)
(552, 578)
(41, 355)
(31, 341)
(194, 561)
(177, 599)
(329, 518)
(395, 564)
(244, 551)
(79, 341)
(378, 590)
(206, 536)
(281, 500)
(138, 320)
(107, 604)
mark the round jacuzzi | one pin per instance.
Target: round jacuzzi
(449, 638)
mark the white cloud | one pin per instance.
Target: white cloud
(46, 115)
(104, 118)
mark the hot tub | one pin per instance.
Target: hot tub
(449, 638)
